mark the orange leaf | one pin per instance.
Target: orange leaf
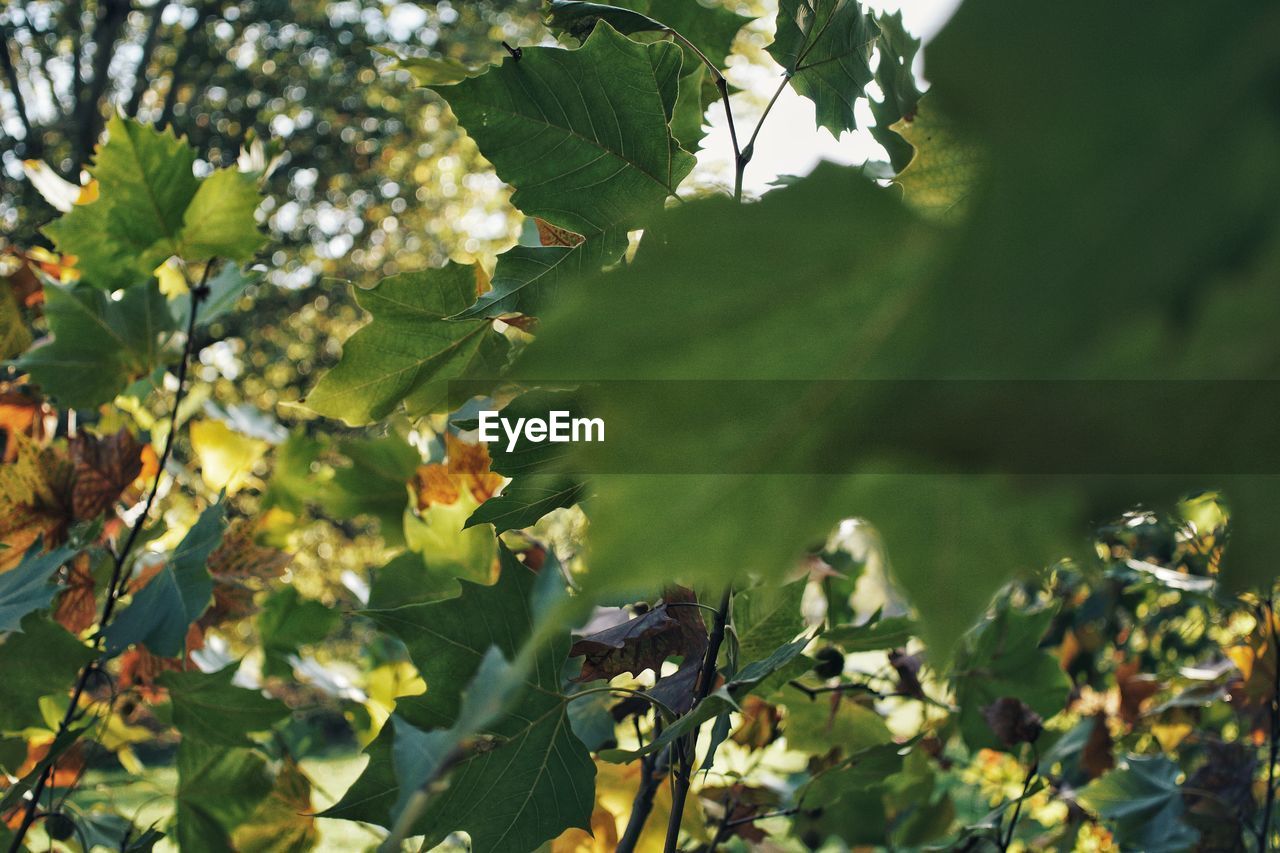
(554, 235)
(77, 607)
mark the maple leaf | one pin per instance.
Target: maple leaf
(77, 608)
(634, 645)
(104, 468)
(34, 499)
(238, 566)
(23, 413)
(466, 471)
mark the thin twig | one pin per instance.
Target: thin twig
(115, 585)
(1026, 786)
(751, 819)
(682, 749)
(653, 769)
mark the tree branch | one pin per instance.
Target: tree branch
(141, 82)
(11, 80)
(183, 60)
(88, 119)
(115, 587)
(683, 749)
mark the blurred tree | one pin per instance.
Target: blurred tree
(368, 160)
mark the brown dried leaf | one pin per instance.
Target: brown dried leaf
(21, 413)
(239, 565)
(34, 499)
(466, 469)
(104, 468)
(554, 235)
(1013, 721)
(1097, 757)
(633, 645)
(760, 723)
(1135, 690)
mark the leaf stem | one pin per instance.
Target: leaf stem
(655, 701)
(751, 143)
(115, 587)
(683, 748)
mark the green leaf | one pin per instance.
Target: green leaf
(219, 221)
(26, 587)
(15, 337)
(375, 484)
(218, 789)
(145, 183)
(208, 707)
(294, 478)
(1142, 805)
(825, 47)
(766, 617)
(430, 70)
(537, 120)
(99, 344)
(1002, 657)
(864, 770)
(710, 28)
(408, 350)
(703, 262)
(163, 610)
(225, 290)
(533, 778)
(283, 822)
(40, 659)
(151, 206)
(527, 278)
(288, 621)
(877, 633)
(525, 500)
(897, 82)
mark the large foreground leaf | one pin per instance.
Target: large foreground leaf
(1014, 293)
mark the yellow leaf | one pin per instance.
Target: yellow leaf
(226, 457)
(942, 173)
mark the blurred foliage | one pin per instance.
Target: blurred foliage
(211, 592)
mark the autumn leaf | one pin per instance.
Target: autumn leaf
(240, 567)
(77, 608)
(104, 468)
(34, 499)
(642, 643)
